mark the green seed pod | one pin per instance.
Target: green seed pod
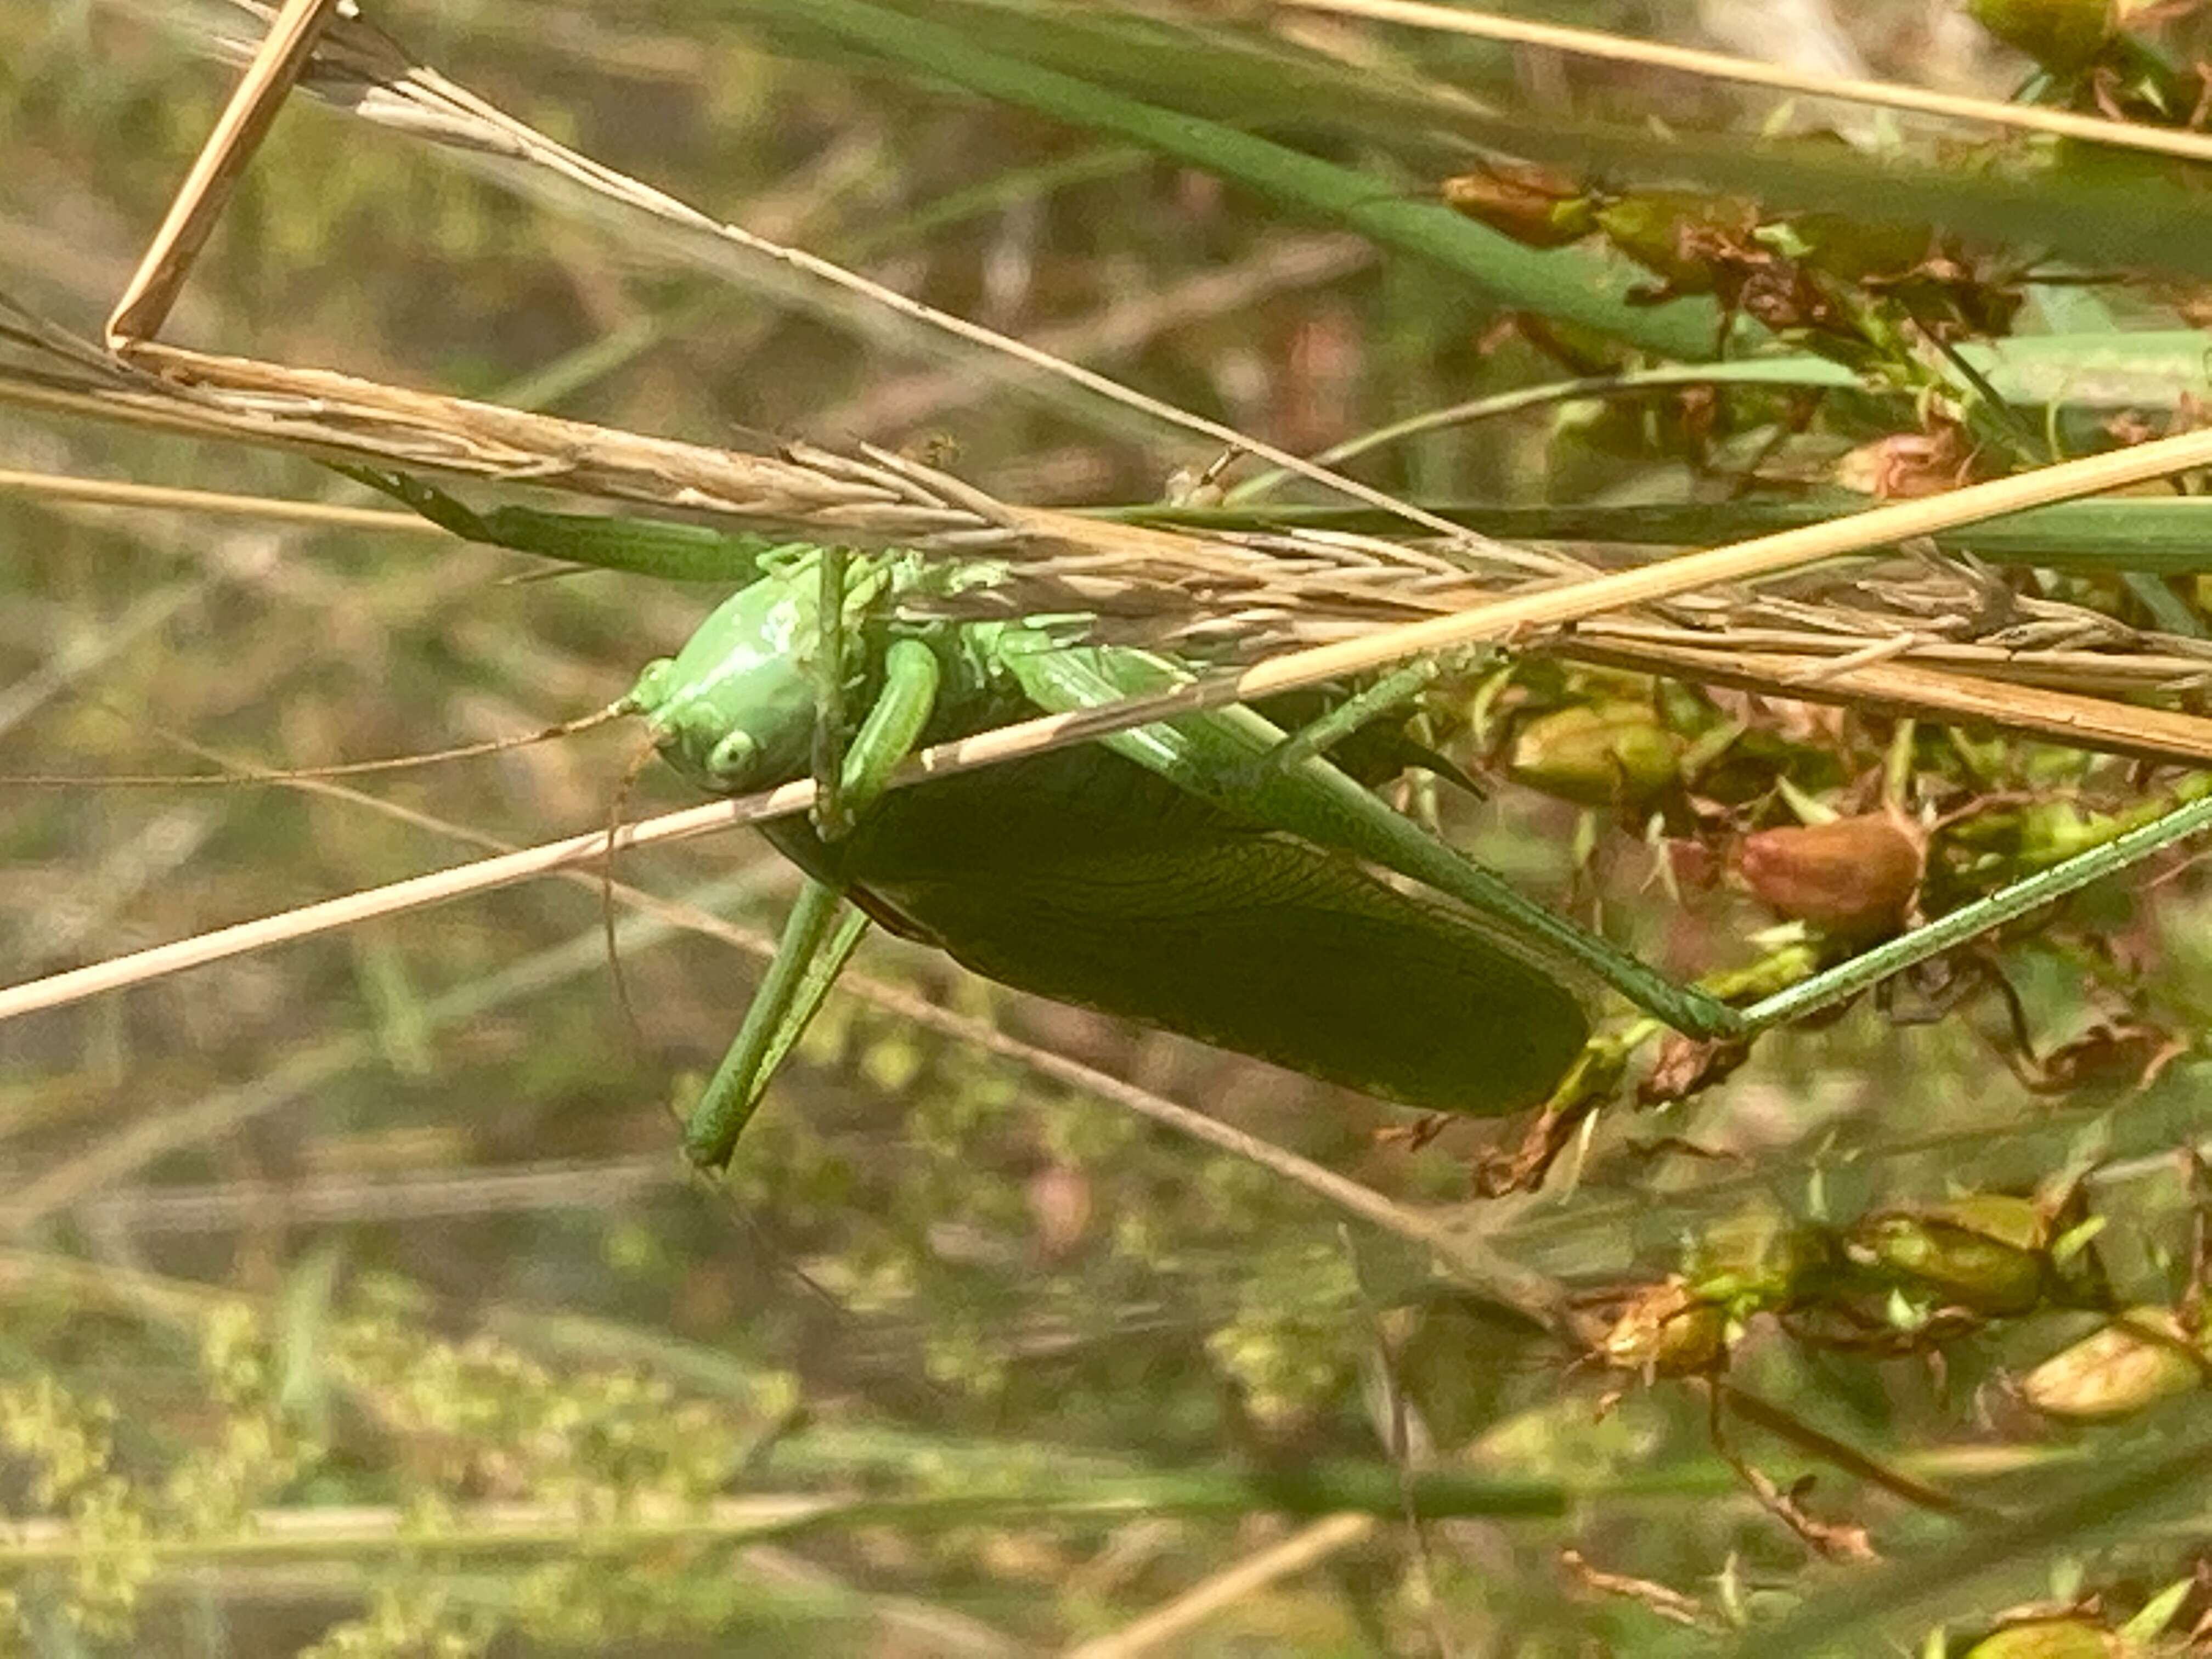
(1853, 877)
(2061, 35)
(2114, 1372)
(1851, 247)
(1758, 1260)
(2005, 1217)
(1614, 754)
(1984, 1254)
(1675, 235)
(1667, 1330)
(2068, 1637)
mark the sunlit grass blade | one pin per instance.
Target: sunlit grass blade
(2167, 537)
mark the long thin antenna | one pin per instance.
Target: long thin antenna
(237, 776)
(638, 763)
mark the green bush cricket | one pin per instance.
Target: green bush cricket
(1213, 875)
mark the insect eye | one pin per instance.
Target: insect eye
(731, 760)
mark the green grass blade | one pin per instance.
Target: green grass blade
(1569, 285)
(2100, 209)
(1924, 1584)
(642, 546)
(2163, 537)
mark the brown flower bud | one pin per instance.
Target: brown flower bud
(1852, 877)
(1908, 465)
(1614, 754)
(2115, 1371)
(1535, 208)
(1667, 1330)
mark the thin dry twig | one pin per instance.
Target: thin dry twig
(484, 875)
(1178, 1618)
(244, 121)
(1281, 264)
(376, 77)
(1661, 1599)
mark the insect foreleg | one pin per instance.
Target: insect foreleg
(832, 817)
(817, 941)
(1316, 738)
(894, 726)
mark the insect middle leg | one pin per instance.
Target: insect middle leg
(1317, 736)
(818, 937)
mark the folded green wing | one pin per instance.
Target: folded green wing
(1086, 879)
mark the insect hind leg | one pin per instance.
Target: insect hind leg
(1847, 979)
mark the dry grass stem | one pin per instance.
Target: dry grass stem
(1268, 591)
(374, 76)
(484, 875)
(199, 201)
(1777, 78)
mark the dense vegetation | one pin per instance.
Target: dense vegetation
(356, 1298)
